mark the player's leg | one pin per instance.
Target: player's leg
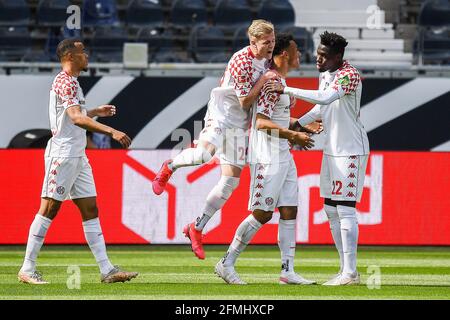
(287, 205)
(352, 192)
(38, 229)
(232, 159)
(287, 244)
(347, 176)
(58, 177)
(244, 234)
(201, 153)
(327, 189)
(83, 194)
(215, 200)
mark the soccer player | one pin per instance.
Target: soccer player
(346, 147)
(68, 173)
(273, 171)
(226, 123)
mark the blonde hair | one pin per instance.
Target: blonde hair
(259, 28)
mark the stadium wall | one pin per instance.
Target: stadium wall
(405, 200)
(398, 113)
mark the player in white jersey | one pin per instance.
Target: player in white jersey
(273, 171)
(68, 174)
(226, 124)
(346, 147)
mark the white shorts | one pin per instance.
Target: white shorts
(231, 143)
(68, 178)
(342, 178)
(271, 187)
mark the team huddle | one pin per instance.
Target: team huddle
(248, 121)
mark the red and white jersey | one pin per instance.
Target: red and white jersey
(68, 140)
(242, 72)
(344, 132)
(267, 148)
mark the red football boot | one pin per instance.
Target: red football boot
(196, 240)
(160, 181)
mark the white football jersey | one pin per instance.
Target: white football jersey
(68, 140)
(266, 148)
(242, 72)
(344, 132)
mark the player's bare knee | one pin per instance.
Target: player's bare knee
(262, 216)
(288, 213)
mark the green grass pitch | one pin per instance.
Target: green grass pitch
(172, 272)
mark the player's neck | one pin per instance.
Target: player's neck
(281, 67)
(339, 65)
(67, 68)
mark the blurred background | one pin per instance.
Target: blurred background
(157, 61)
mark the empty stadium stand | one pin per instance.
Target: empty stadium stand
(381, 33)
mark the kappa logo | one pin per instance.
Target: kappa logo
(352, 166)
(269, 201)
(60, 190)
(351, 185)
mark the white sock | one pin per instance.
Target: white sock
(286, 243)
(349, 233)
(190, 157)
(36, 236)
(94, 237)
(244, 234)
(216, 199)
(335, 226)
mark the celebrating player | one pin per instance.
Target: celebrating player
(273, 171)
(346, 148)
(67, 170)
(226, 124)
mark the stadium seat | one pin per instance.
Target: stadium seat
(279, 12)
(14, 13)
(232, 14)
(188, 13)
(434, 13)
(434, 46)
(152, 36)
(107, 44)
(145, 13)
(433, 38)
(52, 12)
(99, 13)
(304, 40)
(14, 42)
(208, 44)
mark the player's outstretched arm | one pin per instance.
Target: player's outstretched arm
(294, 137)
(313, 96)
(85, 122)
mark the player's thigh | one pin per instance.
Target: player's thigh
(289, 189)
(60, 174)
(265, 186)
(234, 148)
(346, 177)
(84, 185)
(211, 137)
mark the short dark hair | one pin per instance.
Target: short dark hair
(335, 42)
(282, 42)
(66, 46)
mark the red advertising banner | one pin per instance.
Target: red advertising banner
(405, 200)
